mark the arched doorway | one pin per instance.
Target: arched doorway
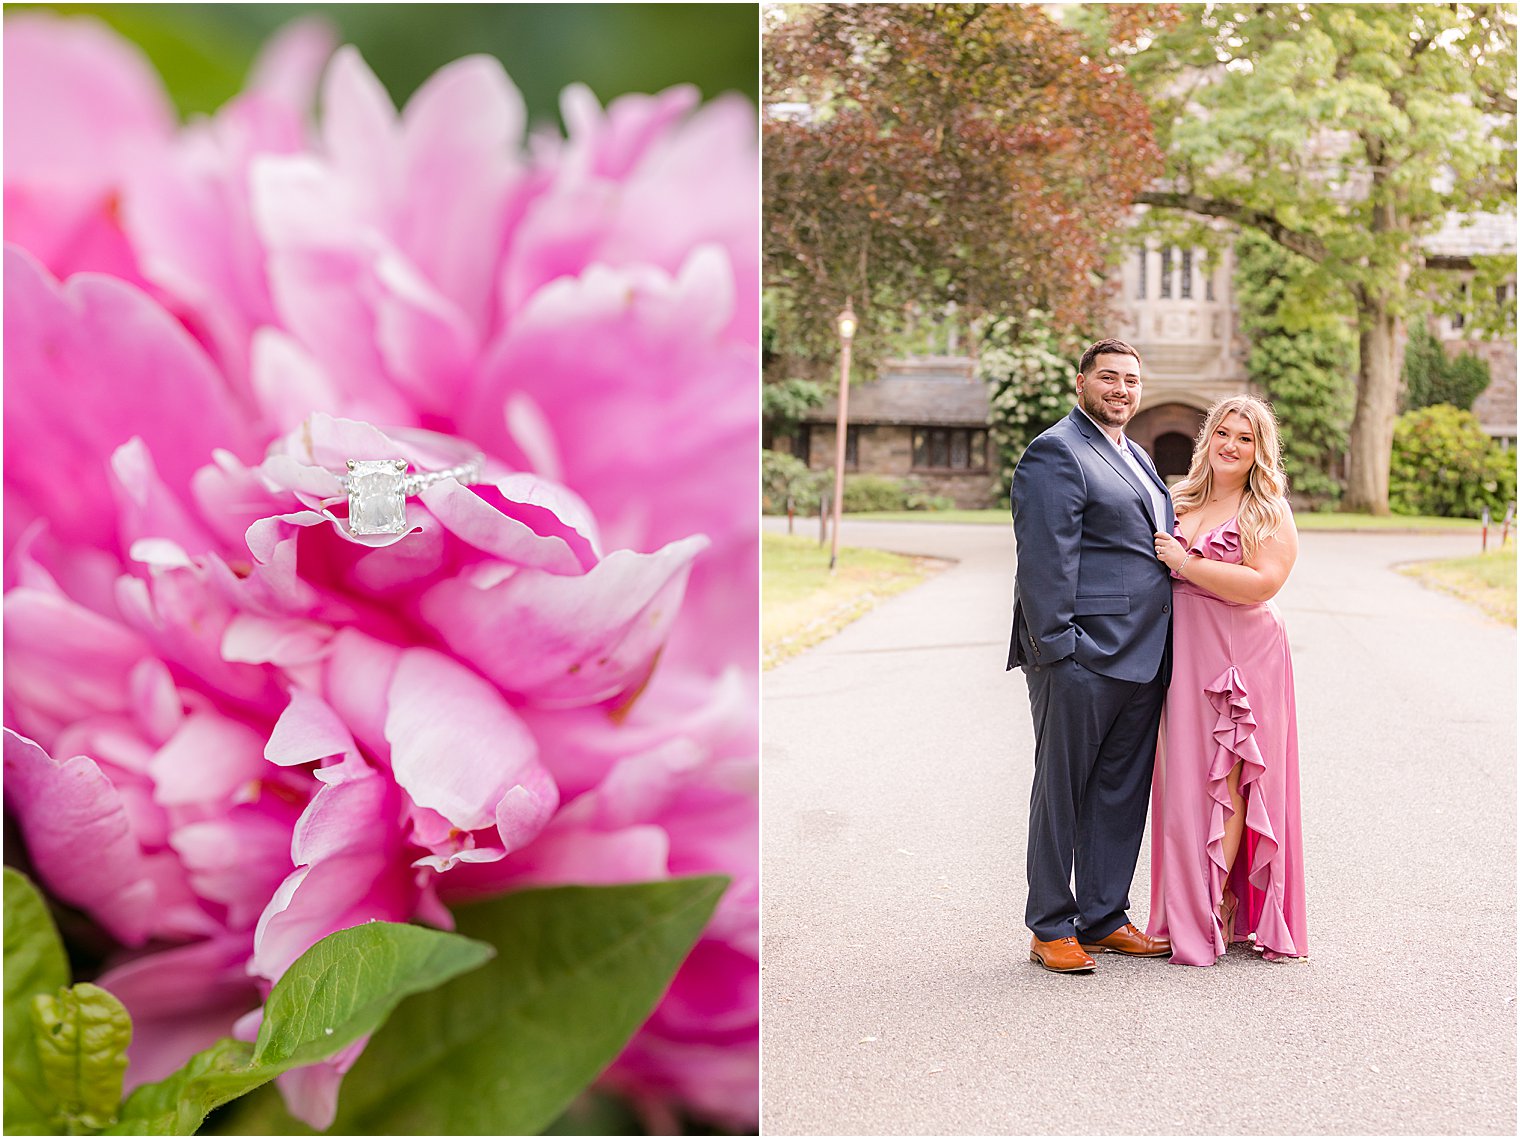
(1172, 452)
(1167, 432)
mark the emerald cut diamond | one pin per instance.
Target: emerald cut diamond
(376, 496)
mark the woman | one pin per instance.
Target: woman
(1226, 846)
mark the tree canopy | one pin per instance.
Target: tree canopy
(1347, 133)
(971, 153)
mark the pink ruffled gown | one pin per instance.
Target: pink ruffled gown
(1230, 701)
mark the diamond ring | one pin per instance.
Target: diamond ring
(377, 489)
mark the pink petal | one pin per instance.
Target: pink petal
(449, 845)
(146, 508)
(319, 267)
(566, 640)
(239, 859)
(612, 145)
(100, 344)
(456, 745)
(289, 65)
(288, 383)
(460, 129)
(308, 730)
(311, 1093)
(526, 809)
(287, 643)
(83, 108)
(184, 614)
(208, 761)
(190, 220)
(81, 103)
(63, 662)
(639, 356)
(156, 702)
(69, 807)
(357, 682)
(715, 991)
(403, 567)
(346, 848)
(428, 346)
(715, 146)
(526, 522)
(567, 854)
(181, 1001)
(359, 126)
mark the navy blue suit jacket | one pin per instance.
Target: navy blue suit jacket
(1088, 583)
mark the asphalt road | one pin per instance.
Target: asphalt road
(897, 993)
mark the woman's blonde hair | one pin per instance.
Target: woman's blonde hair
(1264, 502)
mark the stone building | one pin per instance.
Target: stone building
(926, 417)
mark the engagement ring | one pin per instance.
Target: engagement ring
(377, 489)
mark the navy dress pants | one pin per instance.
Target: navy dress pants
(1095, 750)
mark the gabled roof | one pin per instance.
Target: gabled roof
(936, 391)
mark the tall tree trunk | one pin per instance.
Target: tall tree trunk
(1377, 403)
(1382, 358)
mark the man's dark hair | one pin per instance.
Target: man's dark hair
(1117, 347)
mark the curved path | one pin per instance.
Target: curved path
(898, 996)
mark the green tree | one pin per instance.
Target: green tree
(1029, 371)
(786, 482)
(1431, 376)
(1303, 357)
(1444, 464)
(967, 153)
(1346, 133)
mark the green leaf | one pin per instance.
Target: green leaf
(347, 984)
(82, 1035)
(177, 1104)
(506, 1049)
(340, 989)
(34, 964)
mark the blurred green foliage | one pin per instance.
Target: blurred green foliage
(1444, 464)
(1431, 376)
(203, 51)
(1303, 358)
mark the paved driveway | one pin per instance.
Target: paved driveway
(898, 996)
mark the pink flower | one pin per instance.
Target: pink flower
(264, 727)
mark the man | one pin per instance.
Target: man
(1092, 631)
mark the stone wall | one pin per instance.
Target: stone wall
(1495, 408)
(887, 450)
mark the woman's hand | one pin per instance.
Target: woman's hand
(1169, 550)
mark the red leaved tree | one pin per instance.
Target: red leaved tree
(946, 152)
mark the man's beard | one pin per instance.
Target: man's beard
(1102, 412)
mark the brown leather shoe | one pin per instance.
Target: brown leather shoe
(1127, 939)
(1060, 956)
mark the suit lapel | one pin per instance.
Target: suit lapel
(1106, 451)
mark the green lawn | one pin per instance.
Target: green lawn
(801, 603)
(1486, 580)
(1305, 521)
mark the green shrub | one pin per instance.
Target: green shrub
(1444, 465)
(1030, 373)
(783, 475)
(1431, 377)
(919, 497)
(864, 493)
